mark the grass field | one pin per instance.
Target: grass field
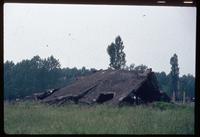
(159, 118)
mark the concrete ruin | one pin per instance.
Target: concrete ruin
(113, 87)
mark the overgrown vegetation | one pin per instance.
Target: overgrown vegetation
(157, 118)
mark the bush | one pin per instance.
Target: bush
(166, 106)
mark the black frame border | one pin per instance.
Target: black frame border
(180, 3)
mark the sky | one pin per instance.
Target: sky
(78, 35)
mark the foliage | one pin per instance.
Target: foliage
(186, 84)
(174, 75)
(141, 68)
(117, 56)
(8, 80)
(166, 106)
(35, 118)
(36, 75)
(131, 67)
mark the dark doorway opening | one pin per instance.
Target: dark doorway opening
(103, 97)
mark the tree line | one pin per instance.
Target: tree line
(186, 84)
(37, 75)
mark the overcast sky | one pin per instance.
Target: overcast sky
(78, 35)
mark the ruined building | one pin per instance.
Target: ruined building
(113, 87)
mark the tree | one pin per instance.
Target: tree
(174, 75)
(30, 76)
(51, 72)
(117, 56)
(132, 66)
(163, 82)
(51, 63)
(8, 80)
(187, 85)
(141, 68)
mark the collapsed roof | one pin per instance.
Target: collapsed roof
(108, 86)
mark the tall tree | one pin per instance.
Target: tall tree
(117, 56)
(174, 75)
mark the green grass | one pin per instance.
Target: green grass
(159, 118)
